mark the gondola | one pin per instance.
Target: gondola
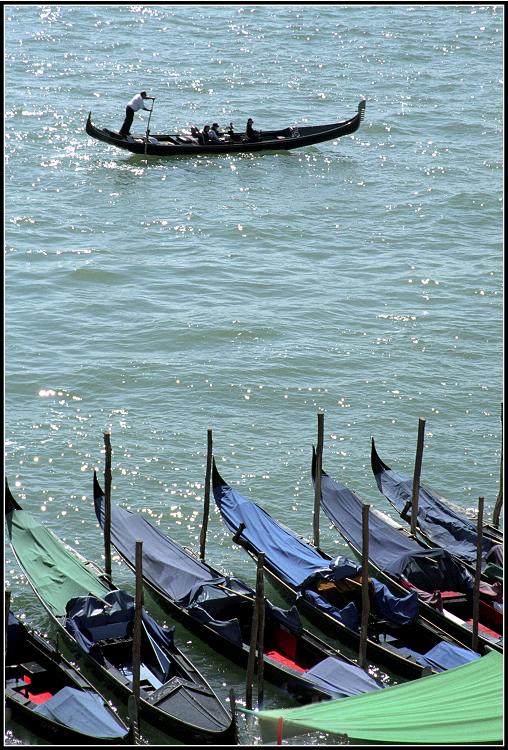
(437, 522)
(219, 609)
(97, 621)
(50, 696)
(328, 591)
(269, 140)
(443, 585)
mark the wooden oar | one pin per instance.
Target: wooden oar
(148, 126)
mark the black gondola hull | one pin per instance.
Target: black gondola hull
(48, 673)
(163, 145)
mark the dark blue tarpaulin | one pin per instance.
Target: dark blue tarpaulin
(446, 655)
(90, 620)
(342, 678)
(183, 578)
(165, 563)
(438, 521)
(299, 564)
(390, 549)
(290, 556)
(83, 711)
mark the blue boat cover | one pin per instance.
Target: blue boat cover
(390, 549)
(184, 579)
(166, 564)
(399, 609)
(438, 521)
(90, 620)
(293, 559)
(82, 711)
(299, 564)
(446, 655)
(341, 679)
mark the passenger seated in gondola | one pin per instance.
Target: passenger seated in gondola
(213, 136)
(214, 130)
(252, 135)
(200, 136)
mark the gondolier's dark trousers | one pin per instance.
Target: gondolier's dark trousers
(129, 116)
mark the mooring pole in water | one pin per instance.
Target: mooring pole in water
(206, 504)
(136, 642)
(317, 478)
(365, 587)
(7, 610)
(251, 663)
(280, 722)
(260, 604)
(477, 575)
(499, 500)
(107, 506)
(416, 476)
(232, 707)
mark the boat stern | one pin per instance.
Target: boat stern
(203, 716)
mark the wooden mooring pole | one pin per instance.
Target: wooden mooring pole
(499, 500)
(259, 605)
(362, 658)
(206, 503)
(317, 478)
(416, 476)
(7, 610)
(107, 506)
(136, 645)
(232, 707)
(477, 575)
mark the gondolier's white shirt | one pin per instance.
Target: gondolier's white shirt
(137, 102)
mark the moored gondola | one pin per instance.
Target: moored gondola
(185, 145)
(50, 696)
(443, 585)
(438, 524)
(97, 621)
(219, 609)
(328, 591)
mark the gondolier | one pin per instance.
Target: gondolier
(136, 103)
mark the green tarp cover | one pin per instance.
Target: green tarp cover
(55, 573)
(461, 706)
